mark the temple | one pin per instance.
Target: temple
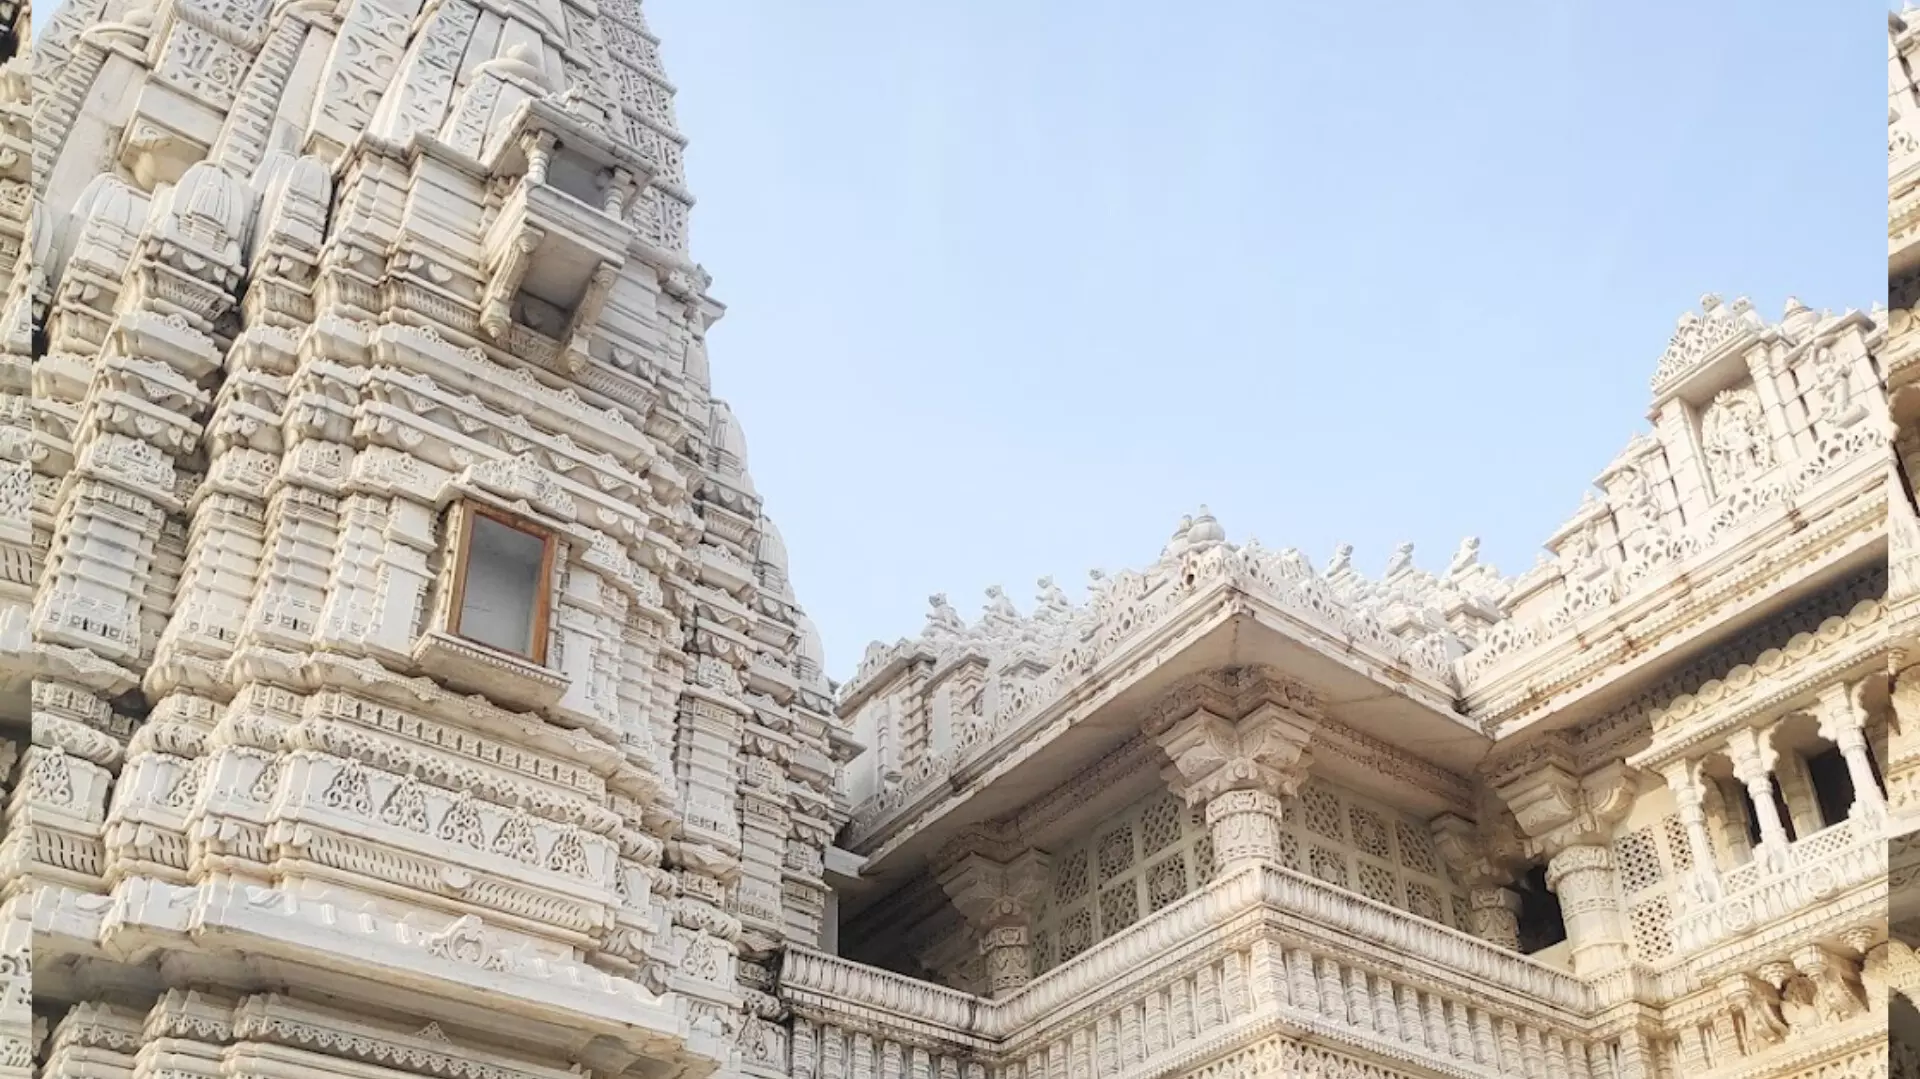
(1900, 367)
(408, 681)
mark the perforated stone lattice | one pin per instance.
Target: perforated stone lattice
(1649, 861)
(1653, 929)
(1157, 851)
(1677, 847)
(1638, 855)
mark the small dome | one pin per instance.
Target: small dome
(773, 561)
(1798, 318)
(1205, 529)
(727, 437)
(521, 61)
(213, 195)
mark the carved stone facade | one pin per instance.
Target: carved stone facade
(1625, 814)
(407, 680)
(341, 311)
(1900, 364)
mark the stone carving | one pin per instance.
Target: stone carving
(997, 899)
(1703, 335)
(1734, 432)
(288, 291)
(251, 611)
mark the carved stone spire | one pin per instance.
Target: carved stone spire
(375, 398)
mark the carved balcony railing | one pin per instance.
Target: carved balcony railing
(1262, 953)
(1759, 895)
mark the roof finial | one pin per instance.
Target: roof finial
(1206, 531)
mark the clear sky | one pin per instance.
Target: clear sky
(1015, 284)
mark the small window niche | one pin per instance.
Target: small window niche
(1542, 925)
(491, 630)
(502, 584)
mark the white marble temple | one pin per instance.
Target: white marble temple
(408, 680)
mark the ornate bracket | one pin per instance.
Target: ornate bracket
(1265, 750)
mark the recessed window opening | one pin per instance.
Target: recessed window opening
(1832, 785)
(502, 585)
(1542, 925)
(575, 175)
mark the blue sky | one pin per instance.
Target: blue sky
(1013, 285)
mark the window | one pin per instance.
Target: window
(1832, 785)
(502, 583)
(1541, 923)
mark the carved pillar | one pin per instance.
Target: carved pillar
(1240, 768)
(1479, 861)
(764, 824)
(1753, 766)
(1582, 877)
(1690, 795)
(1843, 718)
(286, 409)
(707, 860)
(997, 899)
(1495, 913)
(1765, 369)
(1569, 822)
(113, 578)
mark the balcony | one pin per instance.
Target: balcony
(555, 249)
(1264, 963)
(1841, 870)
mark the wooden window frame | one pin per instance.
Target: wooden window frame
(543, 599)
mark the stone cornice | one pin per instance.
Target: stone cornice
(1334, 739)
(466, 965)
(1795, 549)
(940, 782)
(1774, 679)
(937, 782)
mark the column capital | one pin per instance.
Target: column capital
(1837, 993)
(1843, 710)
(997, 899)
(1582, 878)
(1757, 1004)
(1586, 858)
(1686, 778)
(1478, 856)
(1557, 809)
(993, 895)
(1751, 753)
(1265, 750)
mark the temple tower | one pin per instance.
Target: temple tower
(416, 666)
